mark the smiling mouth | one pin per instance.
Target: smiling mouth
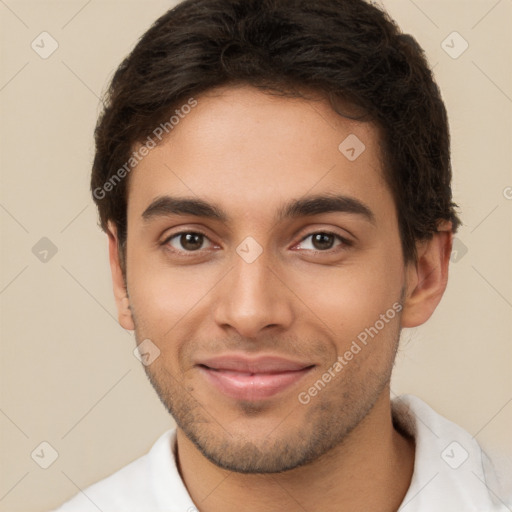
(252, 384)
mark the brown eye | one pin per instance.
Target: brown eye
(323, 241)
(191, 241)
(187, 242)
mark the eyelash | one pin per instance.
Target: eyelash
(345, 244)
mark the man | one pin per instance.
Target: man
(274, 179)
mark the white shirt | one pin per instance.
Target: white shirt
(451, 473)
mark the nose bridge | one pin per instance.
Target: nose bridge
(251, 297)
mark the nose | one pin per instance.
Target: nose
(253, 297)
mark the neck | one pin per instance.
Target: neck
(370, 469)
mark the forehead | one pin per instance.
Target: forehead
(250, 151)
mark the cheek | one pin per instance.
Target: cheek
(163, 296)
(166, 300)
(351, 297)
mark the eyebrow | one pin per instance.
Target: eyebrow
(165, 206)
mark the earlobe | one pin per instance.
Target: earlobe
(428, 277)
(124, 313)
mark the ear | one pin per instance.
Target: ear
(124, 313)
(427, 278)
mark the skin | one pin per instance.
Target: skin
(250, 153)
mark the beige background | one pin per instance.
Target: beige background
(68, 374)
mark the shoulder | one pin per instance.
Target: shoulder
(150, 482)
(451, 470)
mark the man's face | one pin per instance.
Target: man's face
(263, 279)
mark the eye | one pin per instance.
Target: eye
(187, 241)
(322, 241)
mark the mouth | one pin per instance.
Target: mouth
(242, 378)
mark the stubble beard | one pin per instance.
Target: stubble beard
(326, 422)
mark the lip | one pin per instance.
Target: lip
(244, 378)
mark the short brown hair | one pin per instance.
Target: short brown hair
(344, 49)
